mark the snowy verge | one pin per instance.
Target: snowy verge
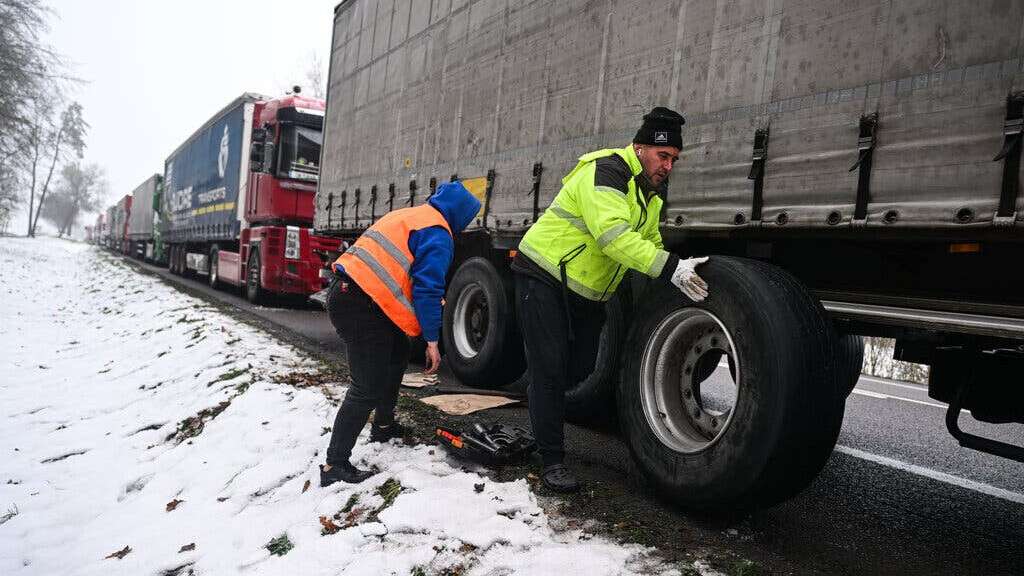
(144, 432)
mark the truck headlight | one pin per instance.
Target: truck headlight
(292, 243)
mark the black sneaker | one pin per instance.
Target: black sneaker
(557, 477)
(344, 473)
(385, 433)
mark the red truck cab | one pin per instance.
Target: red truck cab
(277, 251)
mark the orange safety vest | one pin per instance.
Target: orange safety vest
(380, 260)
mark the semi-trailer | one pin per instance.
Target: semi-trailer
(850, 169)
(118, 216)
(238, 200)
(144, 215)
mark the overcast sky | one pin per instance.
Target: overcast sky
(154, 71)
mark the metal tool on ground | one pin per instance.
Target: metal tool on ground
(492, 445)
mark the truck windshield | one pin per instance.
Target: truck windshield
(300, 153)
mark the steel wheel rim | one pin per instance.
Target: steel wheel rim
(669, 368)
(471, 321)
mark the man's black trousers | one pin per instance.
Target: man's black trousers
(561, 347)
(377, 352)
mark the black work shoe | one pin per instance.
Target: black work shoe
(557, 477)
(344, 473)
(385, 433)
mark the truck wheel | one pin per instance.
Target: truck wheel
(849, 359)
(761, 425)
(173, 262)
(214, 272)
(254, 292)
(480, 336)
(592, 401)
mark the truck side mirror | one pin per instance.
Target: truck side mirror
(256, 157)
(268, 158)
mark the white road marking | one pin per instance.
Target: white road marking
(880, 396)
(987, 489)
(877, 380)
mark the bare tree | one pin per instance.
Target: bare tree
(315, 77)
(69, 137)
(78, 189)
(32, 78)
(9, 192)
(27, 67)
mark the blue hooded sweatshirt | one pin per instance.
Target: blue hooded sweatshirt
(432, 249)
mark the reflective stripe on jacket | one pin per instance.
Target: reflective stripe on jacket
(598, 232)
(379, 262)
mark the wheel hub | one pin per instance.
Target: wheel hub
(687, 394)
(471, 321)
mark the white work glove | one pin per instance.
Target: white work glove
(686, 279)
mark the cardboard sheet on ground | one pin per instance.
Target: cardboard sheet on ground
(419, 380)
(462, 404)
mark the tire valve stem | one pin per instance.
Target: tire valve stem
(662, 415)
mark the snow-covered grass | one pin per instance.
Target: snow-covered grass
(140, 421)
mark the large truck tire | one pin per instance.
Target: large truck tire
(254, 291)
(175, 260)
(849, 359)
(214, 268)
(764, 422)
(592, 400)
(480, 334)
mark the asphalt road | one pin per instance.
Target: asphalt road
(898, 496)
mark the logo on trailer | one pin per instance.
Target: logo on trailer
(659, 138)
(222, 158)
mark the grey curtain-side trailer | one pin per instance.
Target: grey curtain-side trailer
(851, 167)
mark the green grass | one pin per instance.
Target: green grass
(280, 546)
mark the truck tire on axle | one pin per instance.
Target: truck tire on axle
(254, 292)
(480, 336)
(214, 268)
(849, 359)
(592, 400)
(763, 423)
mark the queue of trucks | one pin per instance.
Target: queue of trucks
(850, 170)
(234, 202)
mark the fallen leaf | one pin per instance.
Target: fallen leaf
(173, 504)
(532, 478)
(187, 548)
(329, 526)
(305, 486)
(478, 488)
(120, 553)
(222, 498)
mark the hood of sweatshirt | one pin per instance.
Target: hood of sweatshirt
(456, 204)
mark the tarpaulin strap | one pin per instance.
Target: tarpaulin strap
(344, 200)
(866, 152)
(758, 159)
(433, 188)
(373, 203)
(330, 206)
(391, 197)
(487, 195)
(359, 196)
(1013, 132)
(538, 169)
(412, 192)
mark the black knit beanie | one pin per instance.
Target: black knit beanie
(661, 127)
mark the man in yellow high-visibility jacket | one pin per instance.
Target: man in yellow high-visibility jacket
(603, 222)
